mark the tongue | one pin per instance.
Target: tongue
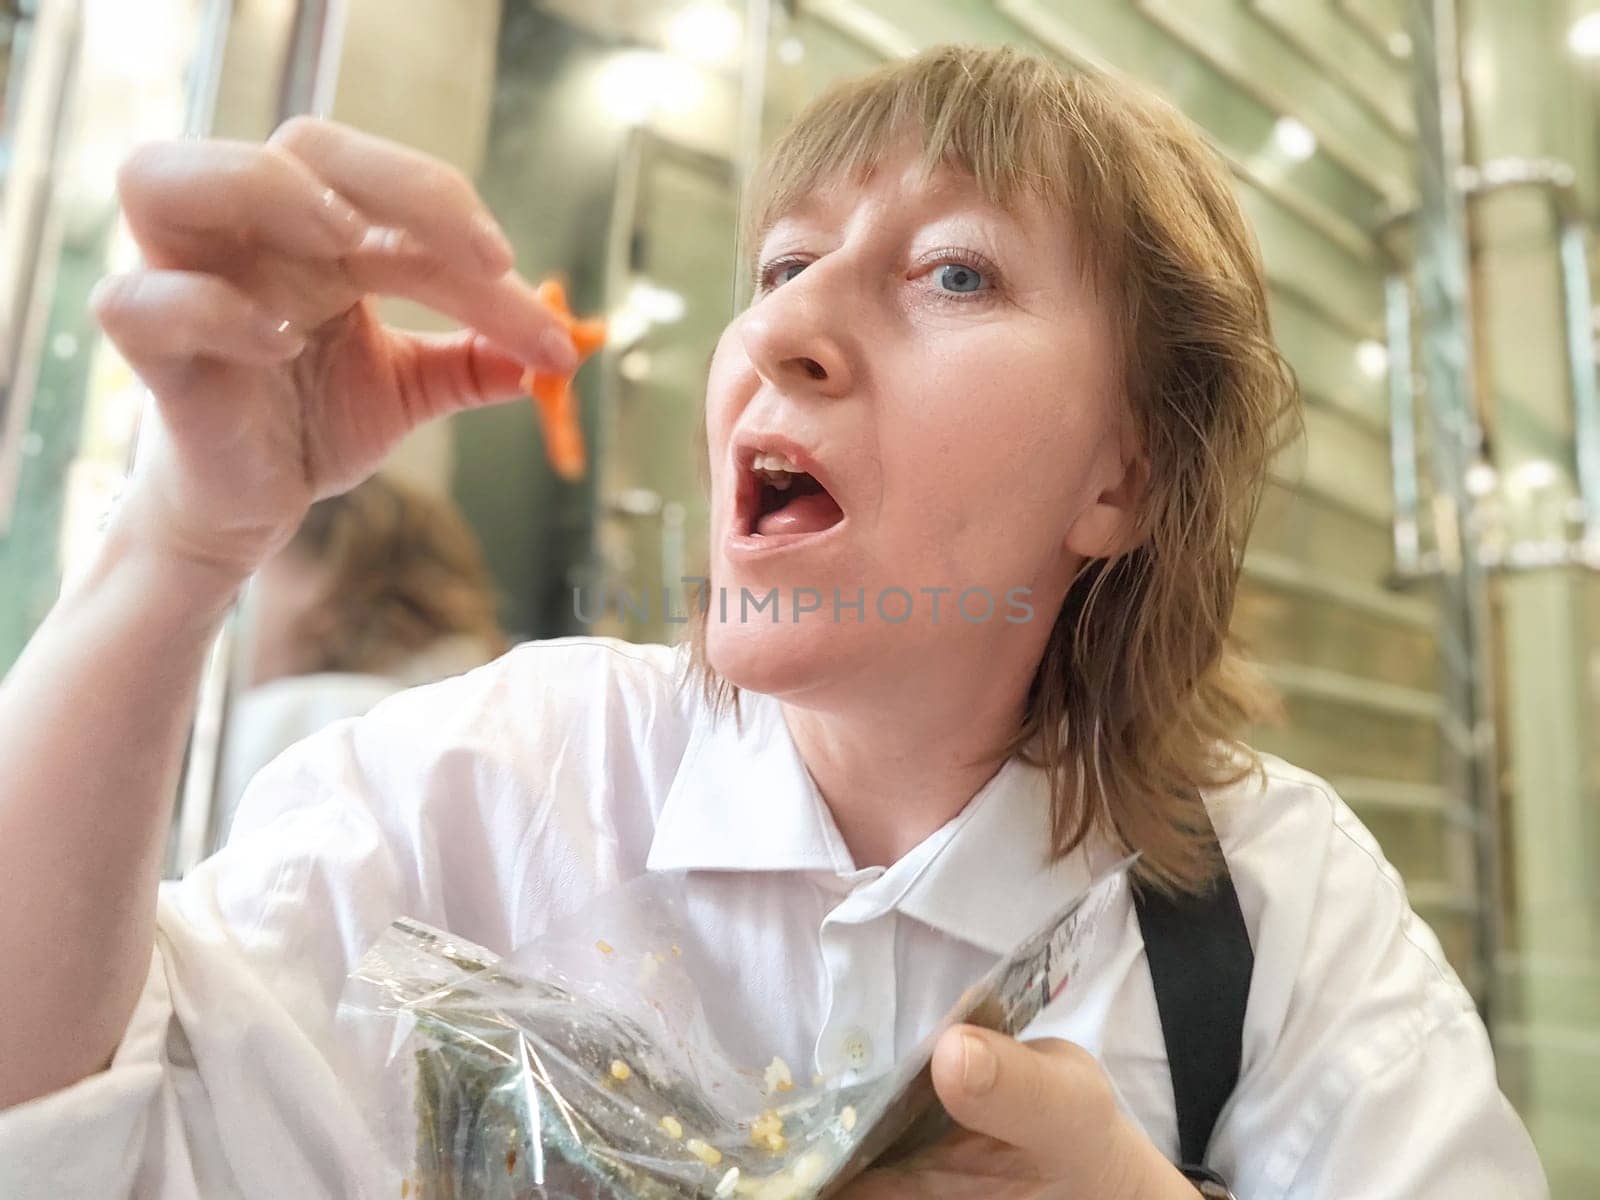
(809, 513)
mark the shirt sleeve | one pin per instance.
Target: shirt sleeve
(1366, 1069)
(234, 1076)
(1433, 1122)
(225, 1082)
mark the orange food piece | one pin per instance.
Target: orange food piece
(553, 396)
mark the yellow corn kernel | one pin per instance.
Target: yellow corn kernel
(603, 946)
(620, 1069)
(709, 1155)
(767, 1132)
(673, 1127)
(778, 1076)
(808, 1169)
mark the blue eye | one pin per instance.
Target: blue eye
(773, 273)
(970, 277)
(959, 278)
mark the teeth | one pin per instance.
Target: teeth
(775, 462)
(778, 470)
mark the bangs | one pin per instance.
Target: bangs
(1017, 125)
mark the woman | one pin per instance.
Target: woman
(380, 589)
(1042, 372)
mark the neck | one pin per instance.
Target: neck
(894, 769)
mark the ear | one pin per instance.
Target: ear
(1110, 525)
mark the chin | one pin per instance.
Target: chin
(786, 659)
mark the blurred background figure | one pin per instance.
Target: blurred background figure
(1422, 586)
(380, 589)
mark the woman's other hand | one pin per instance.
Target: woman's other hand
(1038, 1121)
(252, 320)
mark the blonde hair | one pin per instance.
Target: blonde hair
(404, 570)
(1140, 695)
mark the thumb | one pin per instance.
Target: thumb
(439, 374)
(1047, 1097)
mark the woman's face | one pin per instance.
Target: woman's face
(934, 361)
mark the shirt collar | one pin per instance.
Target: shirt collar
(742, 800)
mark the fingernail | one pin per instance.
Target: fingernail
(493, 248)
(343, 223)
(559, 352)
(979, 1067)
(103, 291)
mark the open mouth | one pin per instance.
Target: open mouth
(780, 497)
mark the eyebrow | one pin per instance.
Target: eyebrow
(992, 218)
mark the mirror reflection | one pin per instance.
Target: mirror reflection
(381, 588)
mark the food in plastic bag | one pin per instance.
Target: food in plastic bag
(584, 1066)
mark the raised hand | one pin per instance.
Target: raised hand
(252, 320)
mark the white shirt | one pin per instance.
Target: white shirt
(267, 719)
(494, 802)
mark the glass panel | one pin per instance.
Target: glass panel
(1321, 733)
(1427, 848)
(1232, 36)
(1337, 278)
(16, 24)
(1294, 627)
(1344, 52)
(547, 108)
(1457, 933)
(653, 526)
(641, 222)
(69, 408)
(1318, 534)
(1346, 461)
(1333, 365)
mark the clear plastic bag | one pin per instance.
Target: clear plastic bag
(584, 1066)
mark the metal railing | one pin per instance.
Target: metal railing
(1415, 562)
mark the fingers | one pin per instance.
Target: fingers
(313, 191)
(397, 186)
(506, 310)
(154, 316)
(1048, 1097)
(236, 192)
(386, 219)
(439, 374)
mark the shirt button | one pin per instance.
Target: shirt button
(856, 1047)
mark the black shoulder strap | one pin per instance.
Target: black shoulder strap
(1200, 961)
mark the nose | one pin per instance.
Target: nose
(794, 335)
